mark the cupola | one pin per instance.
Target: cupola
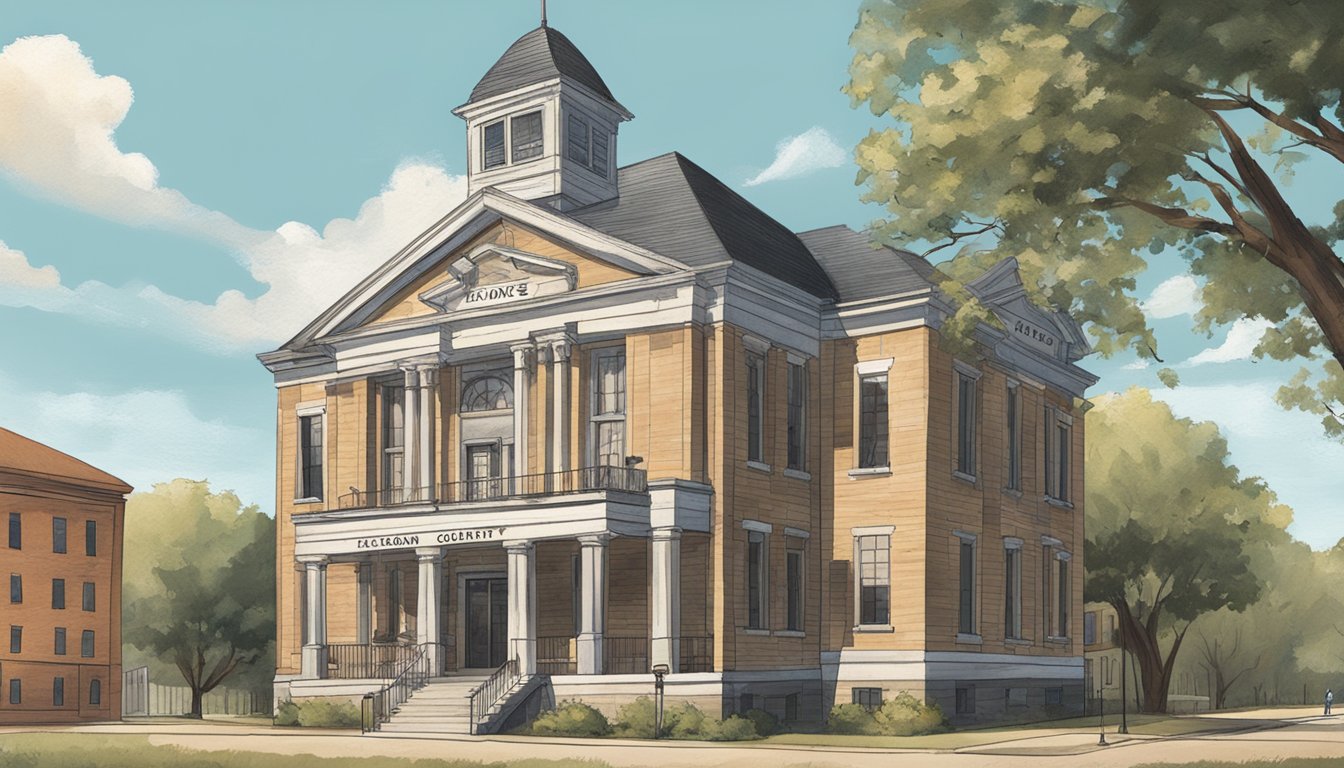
(541, 125)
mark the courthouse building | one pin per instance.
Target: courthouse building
(602, 417)
(62, 553)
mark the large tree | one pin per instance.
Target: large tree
(199, 584)
(1172, 529)
(1088, 137)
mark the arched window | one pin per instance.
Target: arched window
(487, 393)
(96, 691)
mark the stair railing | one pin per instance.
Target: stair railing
(485, 696)
(377, 707)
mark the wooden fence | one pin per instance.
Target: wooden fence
(143, 698)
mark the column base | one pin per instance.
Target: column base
(313, 662)
(525, 651)
(589, 653)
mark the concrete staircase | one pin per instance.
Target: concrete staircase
(441, 706)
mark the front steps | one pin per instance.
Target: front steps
(441, 706)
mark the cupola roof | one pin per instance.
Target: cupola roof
(541, 55)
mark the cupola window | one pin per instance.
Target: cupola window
(493, 146)
(526, 135)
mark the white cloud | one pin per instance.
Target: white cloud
(1137, 365)
(1241, 340)
(144, 437)
(1174, 296)
(795, 156)
(64, 149)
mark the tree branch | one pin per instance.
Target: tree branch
(1176, 217)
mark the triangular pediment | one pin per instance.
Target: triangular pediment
(493, 274)
(1054, 334)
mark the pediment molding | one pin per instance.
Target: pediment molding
(1053, 334)
(493, 274)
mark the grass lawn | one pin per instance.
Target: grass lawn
(43, 750)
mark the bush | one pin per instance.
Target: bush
(571, 718)
(317, 713)
(735, 728)
(765, 723)
(851, 719)
(684, 721)
(906, 715)
(287, 714)
(636, 719)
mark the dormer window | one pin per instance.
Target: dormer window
(493, 146)
(526, 130)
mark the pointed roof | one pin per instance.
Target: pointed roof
(672, 206)
(541, 55)
(862, 269)
(25, 456)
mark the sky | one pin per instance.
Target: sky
(184, 185)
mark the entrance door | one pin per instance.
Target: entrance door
(487, 622)
(483, 479)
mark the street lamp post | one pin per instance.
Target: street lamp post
(1101, 725)
(659, 671)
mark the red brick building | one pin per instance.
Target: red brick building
(60, 624)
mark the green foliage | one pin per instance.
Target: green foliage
(287, 714)
(765, 723)
(1088, 138)
(684, 720)
(571, 718)
(905, 715)
(733, 728)
(636, 720)
(852, 719)
(199, 585)
(1169, 378)
(318, 713)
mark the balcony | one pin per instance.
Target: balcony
(622, 655)
(572, 481)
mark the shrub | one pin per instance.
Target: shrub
(906, 715)
(321, 713)
(765, 723)
(684, 721)
(851, 719)
(735, 728)
(571, 718)
(287, 714)
(636, 719)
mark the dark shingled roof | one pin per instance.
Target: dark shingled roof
(29, 457)
(863, 270)
(674, 207)
(540, 55)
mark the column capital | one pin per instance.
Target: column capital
(670, 533)
(594, 539)
(519, 546)
(312, 561)
(411, 374)
(428, 374)
(429, 554)
(523, 352)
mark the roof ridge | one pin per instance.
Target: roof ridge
(42, 459)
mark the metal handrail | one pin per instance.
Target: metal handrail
(579, 480)
(376, 708)
(361, 661)
(485, 696)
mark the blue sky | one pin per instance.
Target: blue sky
(186, 183)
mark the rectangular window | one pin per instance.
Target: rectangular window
(58, 594)
(868, 698)
(86, 644)
(58, 692)
(755, 411)
(1012, 592)
(96, 691)
(59, 644)
(966, 593)
(1054, 697)
(966, 700)
(600, 163)
(756, 580)
(1058, 439)
(15, 691)
(16, 639)
(492, 145)
(58, 535)
(526, 135)
(794, 576)
(873, 421)
(1062, 611)
(607, 423)
(577, 135)
(15, 531)
(1063, 444)
(1047, 596)
(797, 396)
(91, 538)
(90, 602)
(790, 707)
(310, 452)
(394, 436)
(1090, 628)
(1047, 451)
(15, 588)
(874, 580)
(1014, 436)
(966, 424)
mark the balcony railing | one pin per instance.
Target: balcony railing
(697, 654)
(581, 480)
(361, 661)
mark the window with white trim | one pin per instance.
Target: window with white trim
(757, 579)
(797, 429)
(525, 132)
(755, 407)
(492, 145)
(394, 435)
(1012, 589)
(310, 456)
(874, 579)
(607, 422)
(966, 423)
(587, 144)
(487, 393)
(794, 584)
(1013, 435)
(873, 422)
(966, 588)
(1063, 595)
(1058, 445)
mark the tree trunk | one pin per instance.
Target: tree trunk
(1154, 670)
(196, 696)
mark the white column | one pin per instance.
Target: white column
(426, 431)
(560, 405)
(522, 605)
(410, 429)
(427, 625)
(313, 660)
(666, 632)
(522, 354)
(593, 602)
